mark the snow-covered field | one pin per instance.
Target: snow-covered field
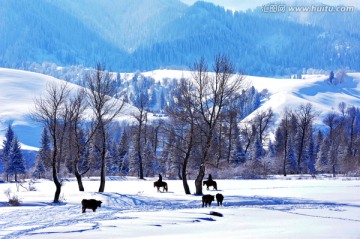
(132, 208)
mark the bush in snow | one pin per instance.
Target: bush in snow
(14, 200)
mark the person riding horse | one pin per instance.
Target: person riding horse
(210, 182)
(159, 183)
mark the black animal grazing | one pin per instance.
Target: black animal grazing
(161, 184)
(219, 199)
(91, 204)
(210, 183)
(207, 199)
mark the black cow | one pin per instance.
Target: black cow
(219, 199)
(90, 204)
(207, 199)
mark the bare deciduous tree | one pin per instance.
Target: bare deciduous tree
(285, 125)
(212, 94)
(141, 117)
(262, 121)
(50, 110)
(100, 94)
(183, 117)
(305, 117)
(77, 105)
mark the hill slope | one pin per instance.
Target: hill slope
(18, 89)
(314, 89)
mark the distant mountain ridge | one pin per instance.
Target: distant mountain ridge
(141, 35)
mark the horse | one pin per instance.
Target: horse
(209, 183)
(161, 184)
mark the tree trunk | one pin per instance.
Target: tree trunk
(285, 156)
(199, 179)
(57, 185)
(103, 161)
(141, 171)
(55, 177)
(184, 179)
(78, 177)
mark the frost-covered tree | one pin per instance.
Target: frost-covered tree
(257, 151)
(310, 156)
(43, 157)
(44, 153)
(123, 153)
(292, 166)
(7, 142)
(322, 162)
(39, 168)
(151, 163)
(16, 163)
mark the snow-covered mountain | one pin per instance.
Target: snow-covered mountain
(18, 89)
(146, 35)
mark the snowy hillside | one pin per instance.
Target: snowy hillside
(314, 89)
(18, 89)
(17, 92)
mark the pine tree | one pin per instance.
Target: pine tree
(44, 153)
(257, 150)
(39, 169)
(133, 160)
(123, 153)
(322, 162)
(151, 164)
(9, 137)
(279, 141)
(311, 156)
(291, 159)
(237, 154)
(16, 164)
(319, 140)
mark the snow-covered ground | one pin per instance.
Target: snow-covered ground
(132, 208)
